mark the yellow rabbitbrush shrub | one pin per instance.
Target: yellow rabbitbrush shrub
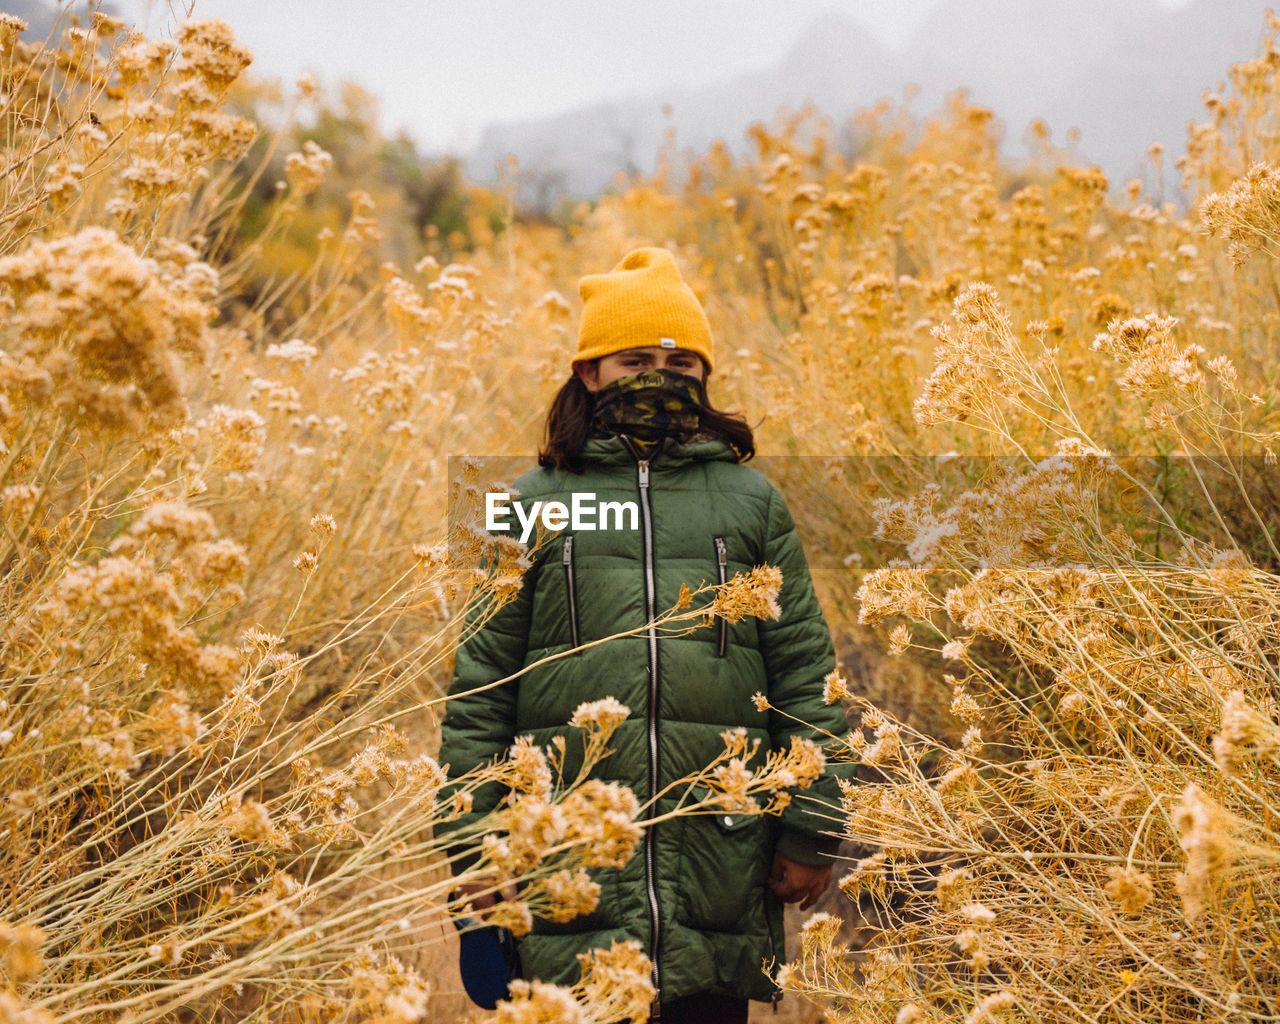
(1101, 839)
(230, 588)
(228, 593)
(1100, 842)
(229, 597)
(1081, 567)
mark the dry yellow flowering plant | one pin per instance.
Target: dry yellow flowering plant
(223, 636)
(229, 605)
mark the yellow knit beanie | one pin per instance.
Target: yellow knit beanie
(642, 302)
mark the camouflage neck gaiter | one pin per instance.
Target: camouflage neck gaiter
(648, 407)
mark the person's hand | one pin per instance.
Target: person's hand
(790, 881)
(483, 893)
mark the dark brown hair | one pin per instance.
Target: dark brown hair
(569, 425)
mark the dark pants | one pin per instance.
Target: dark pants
(705, 1008)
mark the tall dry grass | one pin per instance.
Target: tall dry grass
(1038, 428)
(1030, 421)
(230, 587)
(1088, 568)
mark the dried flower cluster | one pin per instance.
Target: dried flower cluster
(214, 769)
(1035, 415)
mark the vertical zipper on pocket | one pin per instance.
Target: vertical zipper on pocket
(722, 569)
(570, 589)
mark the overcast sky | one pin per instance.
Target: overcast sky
(443, 70)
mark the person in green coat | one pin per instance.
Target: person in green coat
(704, 893)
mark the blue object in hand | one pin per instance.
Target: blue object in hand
(487, 961)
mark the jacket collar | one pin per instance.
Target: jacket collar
(613, 451)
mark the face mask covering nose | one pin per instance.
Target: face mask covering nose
(649, 406)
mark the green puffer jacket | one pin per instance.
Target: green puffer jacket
(695, 894)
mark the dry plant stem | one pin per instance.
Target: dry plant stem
(1108, 777)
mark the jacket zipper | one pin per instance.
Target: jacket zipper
(572, 591)
(651, 609)
(722, 568)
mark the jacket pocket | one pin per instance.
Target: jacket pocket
(570, 589)
(722, 574)
(735, 822)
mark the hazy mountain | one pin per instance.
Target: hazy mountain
(580, 151)
(1015, 54)
(1124, 73)
(834, 57)
(1149, 85)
